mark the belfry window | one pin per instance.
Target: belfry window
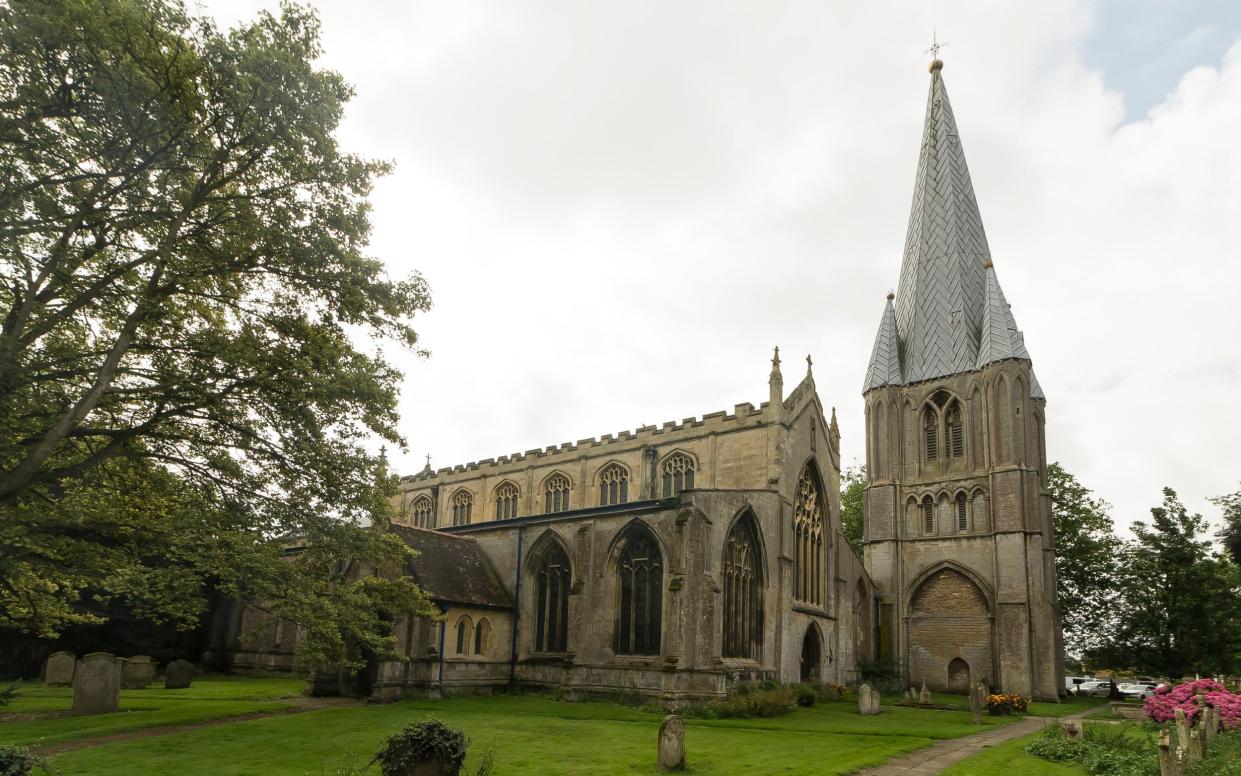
(928, 515)
(506, 501)
(808, 533)
(956, 431)
(930, 433)
(552, 580)
(462, 507)
(641, 596)
(962, 517)
(743, 597)
(422, 514)
(613, 485)
(556, 493)
(678, 474)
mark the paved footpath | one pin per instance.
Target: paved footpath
(938, 756)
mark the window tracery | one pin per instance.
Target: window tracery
(641, 596)
(556, 493)
(552, 580)
(808, 540)
(613, 485)
(462, 507)
(506, 501)
(743, 602)
(678, 473)
(422, 513)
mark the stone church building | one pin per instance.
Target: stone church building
(675, 560)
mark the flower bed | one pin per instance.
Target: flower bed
(1162, 706)
(999, 705)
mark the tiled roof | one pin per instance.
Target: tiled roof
(950, 313)
(453, 569)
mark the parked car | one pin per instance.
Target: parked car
(1138, 690)
(1095, 688)
(1071, 682)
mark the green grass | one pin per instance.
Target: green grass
(1070, 705)
(532, 734)
(209, 698)
(1008, 758)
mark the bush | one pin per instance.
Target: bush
(1224, 759)
(1102, 751)
(18, 761)
(1162, 706)
(806, 695)
(426, 740)
(757, 703)
(8, 694)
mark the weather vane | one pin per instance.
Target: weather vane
(935, 45)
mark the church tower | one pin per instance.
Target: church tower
(958, 531)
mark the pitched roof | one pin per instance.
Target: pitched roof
(453, 569)
(885, 358)
(950, 314)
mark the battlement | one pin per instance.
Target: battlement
(743, 415)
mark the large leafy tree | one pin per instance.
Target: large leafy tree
(1230, 535)
(1181, 609)
(1086, 559)
(183, 276)
(852, 497)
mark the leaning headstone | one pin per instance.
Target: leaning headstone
(924, 697)
(97, 684)
(1072, 728)
(978, 699)
(138, 672)
(1182, 730)
(179, 674)
(1169, 764)
(672, 744)
(59, 670)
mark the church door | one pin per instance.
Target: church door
(959, 676)
(811, 654)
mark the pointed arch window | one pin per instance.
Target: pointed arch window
(743, 600)
(928, 515)
(962, 516)
(613, 485)
(462, 507)
(930, 433)
(556, 493)
(552, 579)
(640, 618)
(422, 513)
(482, 637)
(678, 473)
(808, 540)
(465, 629)
(955, 430)
(506, 501)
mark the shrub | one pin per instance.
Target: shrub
(1100, 752)
(806, 695)
(1224, 759)
(8, 694)
(1162, 706)
(757, 703)
(18, 761)
(428, 739)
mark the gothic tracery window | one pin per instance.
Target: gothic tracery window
(640, 617)
(808, 540)
(556, 493)
(552, 579)
(743, 599)
(506, 501)
(422, 514)
(613, 485)
(462, 507)
(678, 473)
(956, 431)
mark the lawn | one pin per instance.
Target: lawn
(531, 734)
(1008, 758)
(208, 698)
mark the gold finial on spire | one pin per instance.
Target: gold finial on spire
(936, 63)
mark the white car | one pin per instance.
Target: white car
(1095, 688)
(1138, 690)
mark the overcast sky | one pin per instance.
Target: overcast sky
(621, 207)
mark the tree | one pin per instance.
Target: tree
(1230, 535)
(1180, 612)
(1086, 559)
(182, 279)
(852, 494)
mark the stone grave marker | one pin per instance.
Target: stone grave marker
(97, 684)
(924, 697)
(59, 670)
(137, 673)
(672, 744)
(179, 675)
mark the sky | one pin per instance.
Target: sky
(621, 207)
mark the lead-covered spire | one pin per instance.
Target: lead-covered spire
(885, 359)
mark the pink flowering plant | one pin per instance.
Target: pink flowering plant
(1162, 706)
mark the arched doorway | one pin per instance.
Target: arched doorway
(811, 654)
(958, 676)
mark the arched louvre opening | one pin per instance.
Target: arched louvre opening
(956, 431)
(930, 433)
(743, 596)
(552, 580)
(613, 485)
(640, 615)
(928, 515)
(808, 571)
(963, 522)
(678, 473)
(506, 501)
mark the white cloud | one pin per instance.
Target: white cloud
(623, 206)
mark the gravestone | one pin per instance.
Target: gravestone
(672, 744)
(978, 699)
(924, 697)
(1072, 728)
(867, 700)
(97, 684)
(59, 670)
(179, 675)
(138, 672)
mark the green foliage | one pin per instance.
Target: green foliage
(9, 693)
(182, 248)
(852, 492)
(1230, 535)
(1102, 751)
(806, 694)
(1181, 609)
(18, 761)
(1224, 759)
(426, 740)
(1086, 559)
(759, 702)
